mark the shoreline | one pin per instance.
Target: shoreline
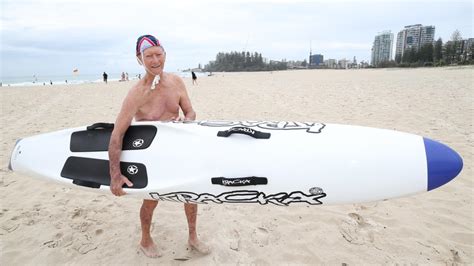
(186, 74)
(75, 81)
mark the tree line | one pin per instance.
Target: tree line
(242, 61)
(437, 54)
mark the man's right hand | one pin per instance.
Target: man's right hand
(116, 184)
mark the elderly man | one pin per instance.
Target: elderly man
(157, 96)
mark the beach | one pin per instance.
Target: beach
(43, 223)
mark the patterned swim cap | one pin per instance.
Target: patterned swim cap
(146, 41)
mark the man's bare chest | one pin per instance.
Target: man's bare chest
(160, 103)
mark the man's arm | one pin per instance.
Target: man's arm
(124, 119)
(185, 102)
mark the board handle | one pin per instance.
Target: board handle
(244, 130)
(239, 181)
(100, 126)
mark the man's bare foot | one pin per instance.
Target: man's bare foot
(199, 246)
(150, 250)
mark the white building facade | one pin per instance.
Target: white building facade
(382, 48)
(413, 36)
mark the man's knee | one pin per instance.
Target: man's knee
(190, 208)
(149, 205)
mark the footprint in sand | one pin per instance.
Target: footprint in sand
(55, 242)
(10, 226)
(83, 244)
(260, 236)
(455, 256)
(359, 219)
(235, 242)
(2, 212)
(85, 248)
(51, 243)
(77, 213)
(357, 230)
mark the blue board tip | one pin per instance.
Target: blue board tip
(443, 163)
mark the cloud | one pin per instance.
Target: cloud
(97, 34)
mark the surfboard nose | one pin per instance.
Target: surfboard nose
(443, 163)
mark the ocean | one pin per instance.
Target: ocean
(43, 80)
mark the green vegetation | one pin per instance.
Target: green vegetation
(242, 61)
(436, 54)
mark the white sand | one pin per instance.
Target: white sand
(46, 223)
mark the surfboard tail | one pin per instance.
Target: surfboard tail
(13, 154)
(443, 163)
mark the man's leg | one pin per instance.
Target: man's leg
(193, 241)
(146, 244)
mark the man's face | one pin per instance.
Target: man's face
(154, 59)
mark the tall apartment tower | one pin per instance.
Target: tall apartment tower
(316, 60)
(414, 36)
(382, 48)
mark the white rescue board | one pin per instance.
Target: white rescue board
(261, 162)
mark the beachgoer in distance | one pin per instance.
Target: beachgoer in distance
(194, 77)
(149, 102)
(105, 77)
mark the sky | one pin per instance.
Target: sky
(40, 37)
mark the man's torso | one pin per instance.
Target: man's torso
(163, 103)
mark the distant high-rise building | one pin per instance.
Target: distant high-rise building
(316, 60)
(343, 63)
(463, 48)
(413, 37)
(382, 48)
(330, 63)
(427, 35)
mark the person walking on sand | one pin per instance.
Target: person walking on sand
(194, 77)
(105, 76)
(157, 96)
